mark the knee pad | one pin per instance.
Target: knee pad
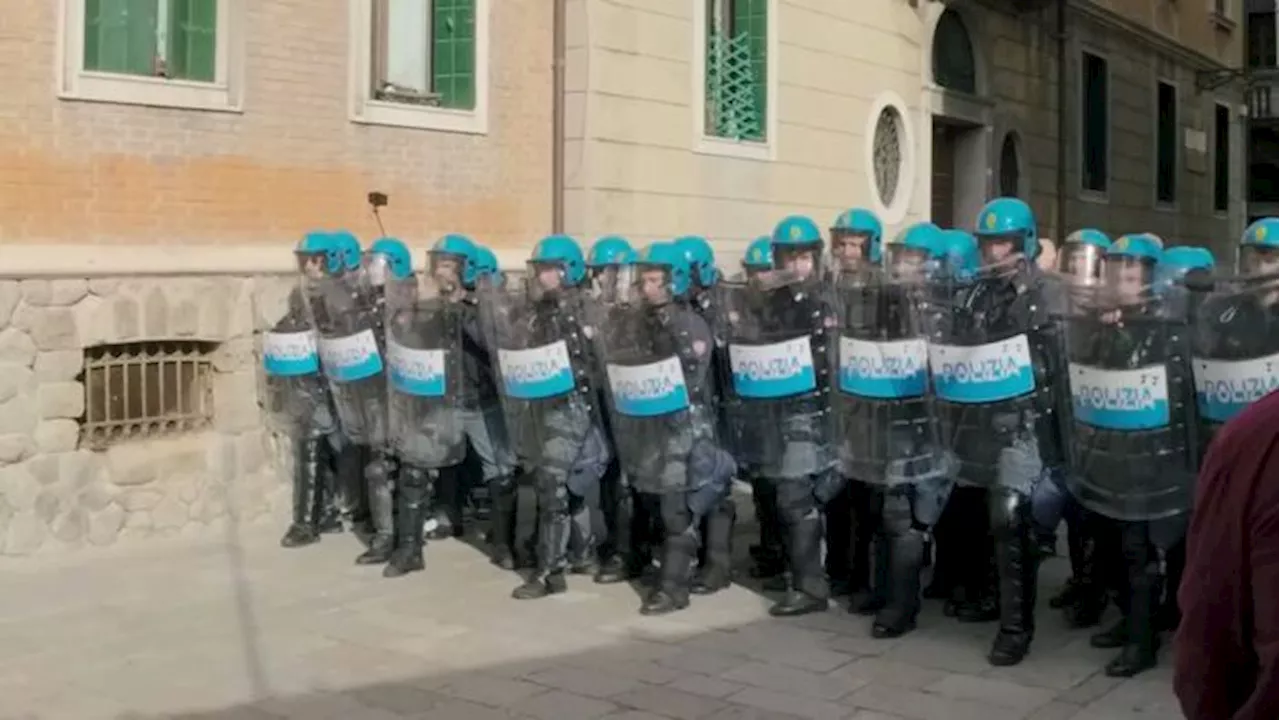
(553, 494)
(795, 499)
(1009, 513)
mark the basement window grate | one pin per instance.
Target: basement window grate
(136, 391)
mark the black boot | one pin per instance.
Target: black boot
(449, 499)
(873, 595)
(716, 574)
(306, 494)
(382, 511)
(979, 600)
(906, 556)
(1142, 566)
(838, 517)
(1087, 594)
(502, 518)
(1017, 563)
(525, 544)
(351, 463)
(678, 554)
(330, 491)
(808, 593)
(411, 510)
(540, 585)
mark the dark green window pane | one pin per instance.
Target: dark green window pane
(453, 53)
(120, 36)
(193, 32)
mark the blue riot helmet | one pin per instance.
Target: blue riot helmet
(348, 248)
(912, 249)
(1176, 262)
(486, 265)
(611, 250)
(560, 253)
(702, 259)
(797, 247)
(960, 255)
(388, 257)
(759, 255)
(1080, 257)
(1260, 247)
(1002, 221)
(612, 265)
(317, 255)
(1130, 265)
(664, 273)
(856, 236)
(452, 261)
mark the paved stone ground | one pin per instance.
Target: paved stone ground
(235, 627)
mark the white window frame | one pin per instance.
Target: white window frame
(367, 110)
(1084, 193)
(224, 94)
(705, 144)
(895, 212)
(1178, 144)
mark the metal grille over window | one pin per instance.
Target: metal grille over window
(142, 390)
(887, 158)
(1009, 172)
(736, 68)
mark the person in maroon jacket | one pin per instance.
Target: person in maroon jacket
(1225, 648)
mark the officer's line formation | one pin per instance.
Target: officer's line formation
(885, 398)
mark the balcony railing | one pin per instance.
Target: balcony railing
(1261, 99)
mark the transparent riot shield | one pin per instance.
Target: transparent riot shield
(886, 427)
(780, 344)
(657, 364)
(996, 366)
(544, 368)
(1234, 331)
(295, 394)
(347, 315)
(1133, 448)
(424, 373)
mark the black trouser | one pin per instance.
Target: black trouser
(764, 498)
(679, 547)
(310, 455)
(616, 510)
(1146, 548)
(964, 569)
(851, 527)
(1017, 559)
(802, 527)
(561, 514)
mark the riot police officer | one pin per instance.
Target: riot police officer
(425, 432)
(1083, 598)
(889, 440)
(994, 356)
(542, 341)
(855, 248)
(658, 361)
(623, 532)
(1133, 447)
(768, 556)
(780, 355)
(346, 312)
(298, 406)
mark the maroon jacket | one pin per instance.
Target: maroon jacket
(1225, 649)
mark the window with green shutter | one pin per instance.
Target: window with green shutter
(424, 52)
(159, 38)
(737, 69)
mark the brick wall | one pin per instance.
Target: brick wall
(82, 172)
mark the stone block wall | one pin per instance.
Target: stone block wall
(56, 495)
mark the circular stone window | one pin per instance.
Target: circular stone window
(886, 157)
(1010, 174)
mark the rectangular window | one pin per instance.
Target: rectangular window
(175, 39)
(424, 52)
(141, 390)
(1166, 143)
(1262, 40)
(737, 69)
(1095, 123)
(1221, 158)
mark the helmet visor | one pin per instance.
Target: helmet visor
(1081, 263)
(1128, 278)
(1259, 260)
(800, 261)
(999, 249)
(614, 283)
(850, 249)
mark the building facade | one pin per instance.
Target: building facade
(1261, 77)
(159, 157)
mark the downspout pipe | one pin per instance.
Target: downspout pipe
(1061, 199)
(557, 115)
